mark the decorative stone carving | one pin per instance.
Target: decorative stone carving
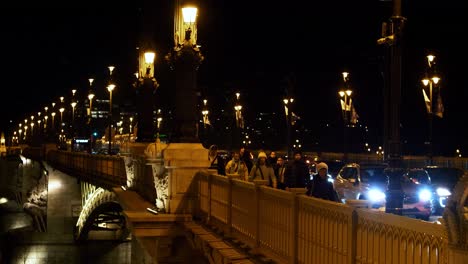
(154, 150)
(456, 215)
(130, 170)
(154, 157)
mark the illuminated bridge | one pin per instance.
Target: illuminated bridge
(165, 200)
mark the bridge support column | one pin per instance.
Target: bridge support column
(183, 161)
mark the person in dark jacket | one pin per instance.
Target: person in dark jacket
(296, 174)
(247, 157)
(320, 186)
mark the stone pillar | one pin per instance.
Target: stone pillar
(183, 161)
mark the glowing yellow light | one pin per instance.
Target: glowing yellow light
(110, 87)
(189, 14)
(149, 57)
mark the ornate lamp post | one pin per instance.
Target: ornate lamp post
(205, 113)
(287, 111)
(238, 111)
(346, 105)
(239, 121)
(25, 132)
(130, 129)
(431, 81)
(393, 48)
(110, 88)
(61, 109)
(53, 120)
(90, 98)
(73, 104)
(146, 86)
(45, 122)
(185, 59)
(19, 133)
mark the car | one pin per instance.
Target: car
(362, 182)
(443, 181)
(418, 195)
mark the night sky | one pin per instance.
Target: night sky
(252, 48)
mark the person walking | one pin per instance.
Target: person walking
(320, 186)
(272, 158)
(279, 168)
(216, 161)
(262, 171)
(297, 173)
(247, 157)
(237, 167)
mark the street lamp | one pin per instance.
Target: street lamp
(39, 126)
(205, 113)
(185, 58)
(431, 81)
(25, 132)
(130, 132)
(45, 122)
(146, 86)
(287, 111)
(238, 109)
(53, 120)
(90, 98)
(73, 104)
(346, 105)
(61, 115)
(159, 119)
(110, 88)
(61, 109)
(392, 36)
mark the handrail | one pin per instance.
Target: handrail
(292, 228)
(105, 171)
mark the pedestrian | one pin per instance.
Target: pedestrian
(297, 172)
(320, 186)
(272, 158)
(247, 157)
(263, 171)
(216, 161)
(236, 166)
(279, 169)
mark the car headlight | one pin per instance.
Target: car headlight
(443, 192)
(425, 195)
(376, 195)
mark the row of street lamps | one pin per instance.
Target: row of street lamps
(349, 115)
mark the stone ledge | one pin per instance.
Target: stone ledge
(213, 246)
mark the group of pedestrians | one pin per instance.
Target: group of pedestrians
(279, 172)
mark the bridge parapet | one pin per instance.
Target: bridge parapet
(102, 170)
(294, 228)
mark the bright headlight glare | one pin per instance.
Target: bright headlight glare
(443, 192)
(376, 195)
(425, 195)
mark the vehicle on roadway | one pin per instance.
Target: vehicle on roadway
(418, 195)
(443, 181)
(369, 182)
(362, 182)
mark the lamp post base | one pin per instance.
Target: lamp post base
(394, 194)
